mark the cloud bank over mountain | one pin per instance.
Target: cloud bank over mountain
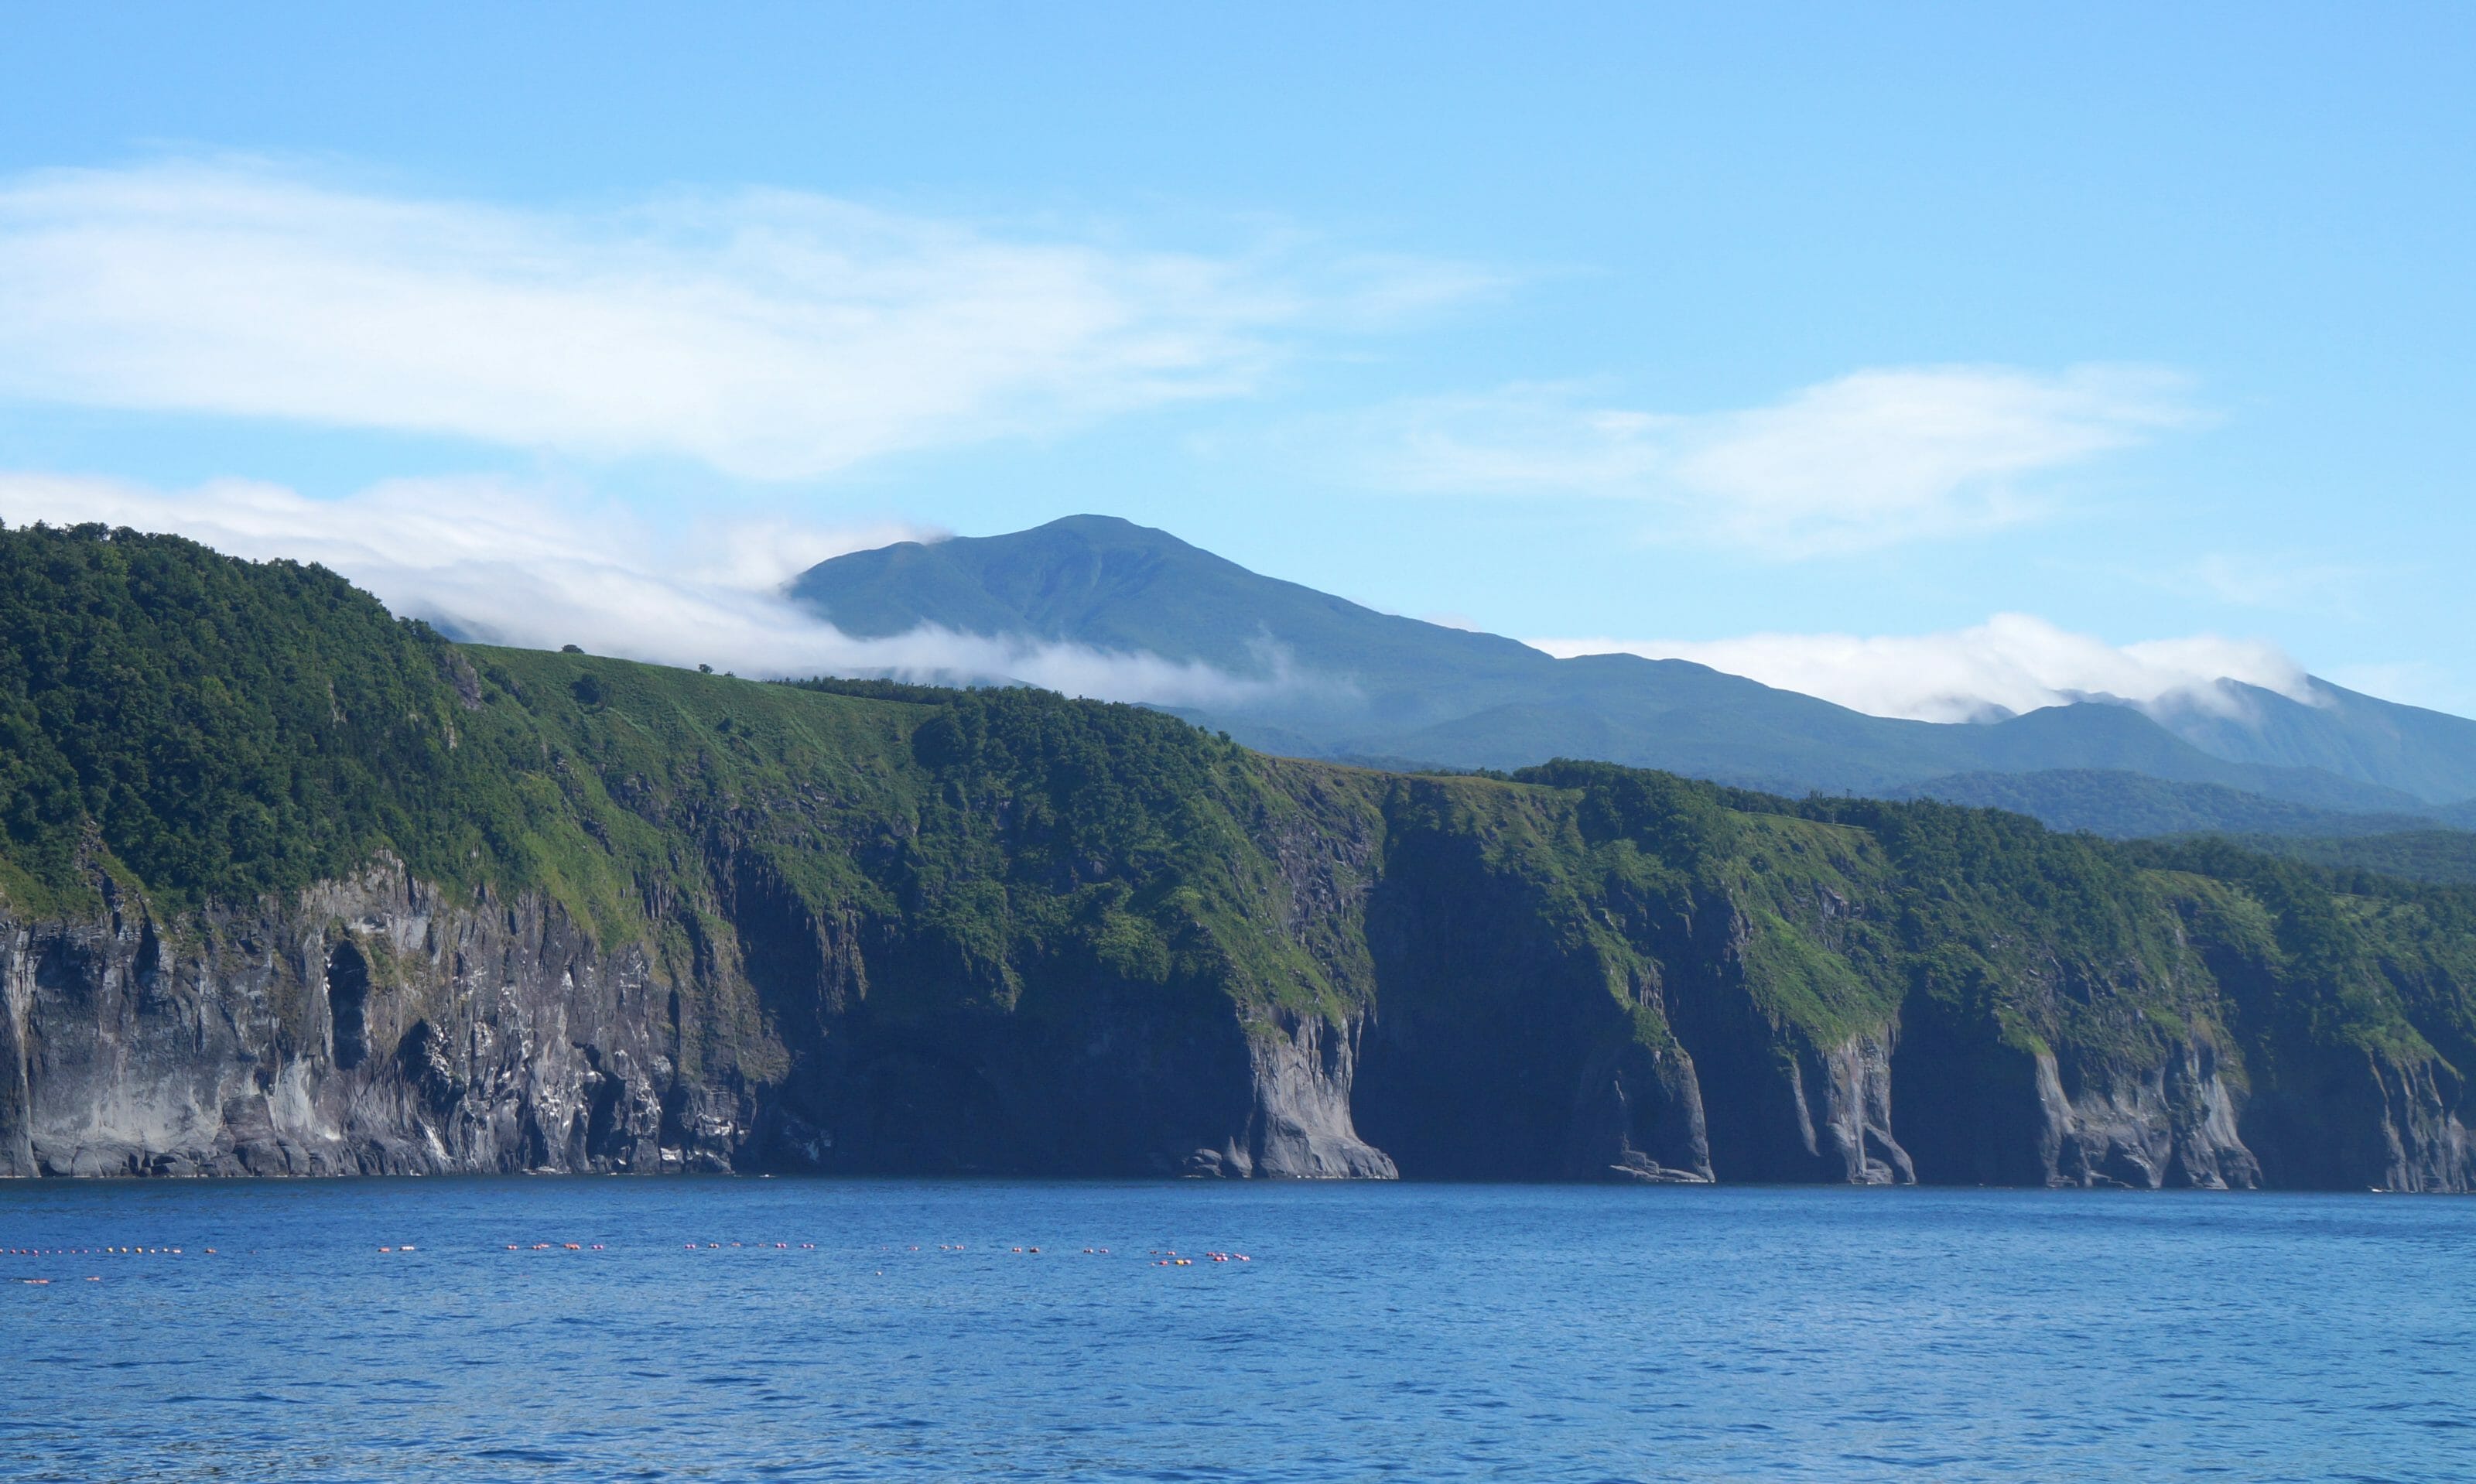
(501, 563)
(2013, 662)
(504, 562)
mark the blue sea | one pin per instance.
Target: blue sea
(632, 1328)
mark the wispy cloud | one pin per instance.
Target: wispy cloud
(502, 563)
(2012, 662)
(1871, 458)
(767, 333)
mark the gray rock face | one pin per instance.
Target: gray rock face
(1301, 1127)
(2423, 1146)
(1843, 1099)
(2170, 1123)
(1784, 1107)
(2384, 1121)
(371, 1026)
(374, 1029)
(1507, 1045)
(369, 1030)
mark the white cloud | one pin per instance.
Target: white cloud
(768, 333)
(2012, 662)
(505, 564)
(1872, 458)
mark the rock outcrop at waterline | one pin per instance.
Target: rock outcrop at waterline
(376, 1029)
(289, 888)
(375, 1026)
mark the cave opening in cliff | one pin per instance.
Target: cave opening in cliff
(348, 999)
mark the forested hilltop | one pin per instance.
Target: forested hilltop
(291, 886)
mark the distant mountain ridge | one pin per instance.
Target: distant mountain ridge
(1402, 689)
(2127, 806)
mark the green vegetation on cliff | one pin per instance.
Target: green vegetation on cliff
(226, 729)
(207, 731)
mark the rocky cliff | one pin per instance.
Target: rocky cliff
(289, 888)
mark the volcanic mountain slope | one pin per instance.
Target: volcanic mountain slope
(288, 886)
(1362, 685)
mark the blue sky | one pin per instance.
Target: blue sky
(1664, 326)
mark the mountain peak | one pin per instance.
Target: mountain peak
(1110, 584)
(1327, 676)
(1109, 529)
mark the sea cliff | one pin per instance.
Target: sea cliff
(289, 888)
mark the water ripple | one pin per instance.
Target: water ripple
(545, 1330)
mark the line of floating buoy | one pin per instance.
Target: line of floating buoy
(100, 1252)
(576, 1247)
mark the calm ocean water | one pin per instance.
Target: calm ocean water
(890, 1330)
